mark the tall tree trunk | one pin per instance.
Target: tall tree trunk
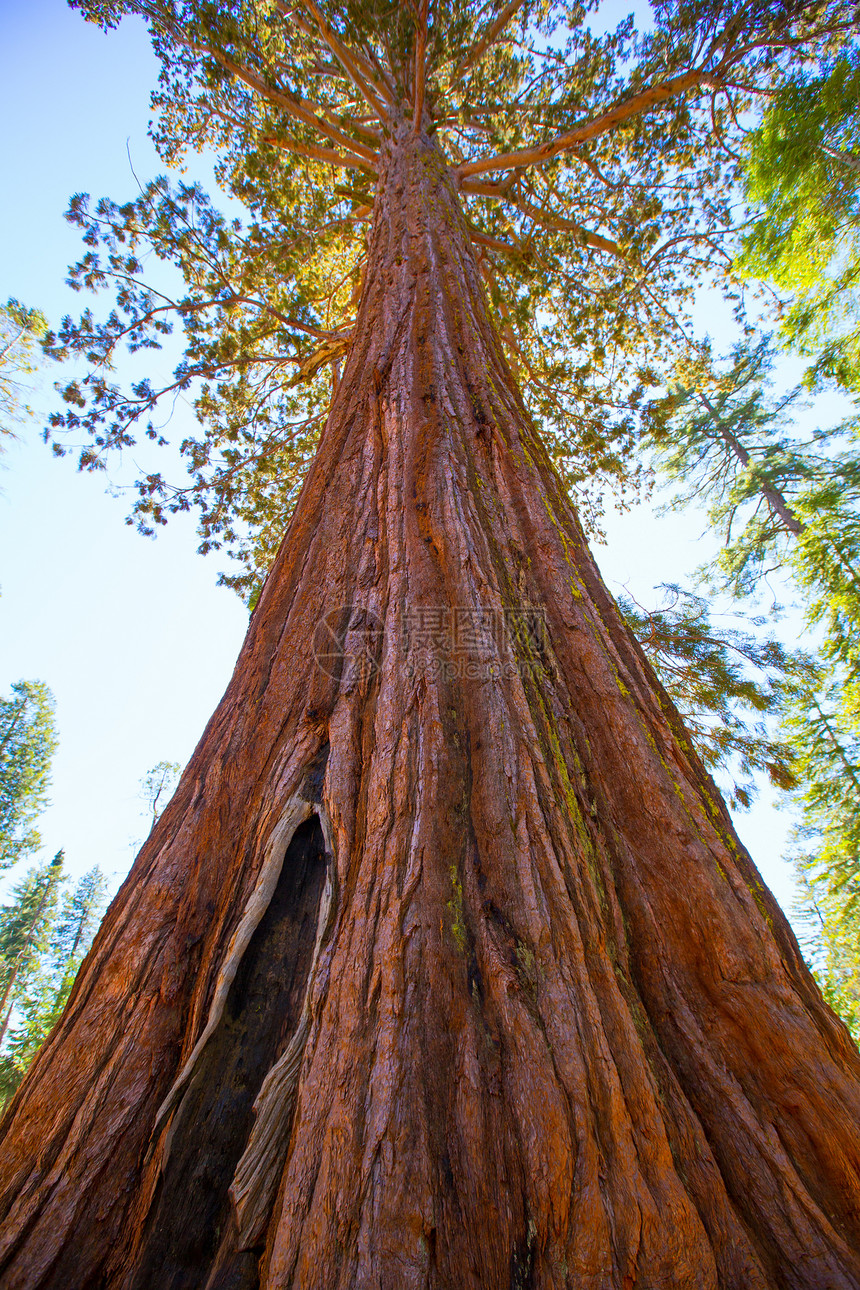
(555, 1032)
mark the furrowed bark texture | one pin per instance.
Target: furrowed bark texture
(556, 1034)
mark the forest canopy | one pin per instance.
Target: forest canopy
(599, 175)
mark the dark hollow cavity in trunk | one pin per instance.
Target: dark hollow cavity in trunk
(190, 1239)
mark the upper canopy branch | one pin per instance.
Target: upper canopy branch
(349, 160)
(481, 46)
(557, 224)
(293, 107)
(286, 102)
(593, 129)
(353, 63)
(420, 64)
(543, 217)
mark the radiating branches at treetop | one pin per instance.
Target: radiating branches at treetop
(596, 176)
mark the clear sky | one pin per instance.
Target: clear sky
(133, 636)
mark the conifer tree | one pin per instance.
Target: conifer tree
(782, 501)
(725, 683)
(444, 965)
(776, 497)
(28, 740)
(21, 331)
(43, 992)
(25, 927)
(833, 933)
(802, 178)
(158, 784)
(76, 924)
(824, 735)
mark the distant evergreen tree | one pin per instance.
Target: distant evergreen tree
(21, 330)
(832, 949)
(825, 735)
(25, 929)
(49, 981)
(158, 785)
(790, 502)
(777, 498)
(28, 740)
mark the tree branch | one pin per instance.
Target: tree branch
(348, 160)
(420, 68)
(492, 243)
(593, 129)
(546, 219)
(327, 353)
(282, 99)
(478, 189)
(481, 46)
(349, 60)
(299, 112)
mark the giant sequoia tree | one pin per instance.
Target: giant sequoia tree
(444, 966)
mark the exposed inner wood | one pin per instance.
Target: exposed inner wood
(191, 1211)
(258, 1173)
(295, 812)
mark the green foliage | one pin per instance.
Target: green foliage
(826, 557)
(831, 947)
(24, 924)
(21, 330)
(803, 183)
(725, 444)
(24, 932)
(827, 742)
(590, 252)
(28, 741)
(779, 499)
(77, 922)
(825, 735)
(43, 990)
(790, 502)
(724, 682)
(158, 785)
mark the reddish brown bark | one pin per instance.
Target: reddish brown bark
(558, 1033)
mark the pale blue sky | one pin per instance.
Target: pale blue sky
(133, 636)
